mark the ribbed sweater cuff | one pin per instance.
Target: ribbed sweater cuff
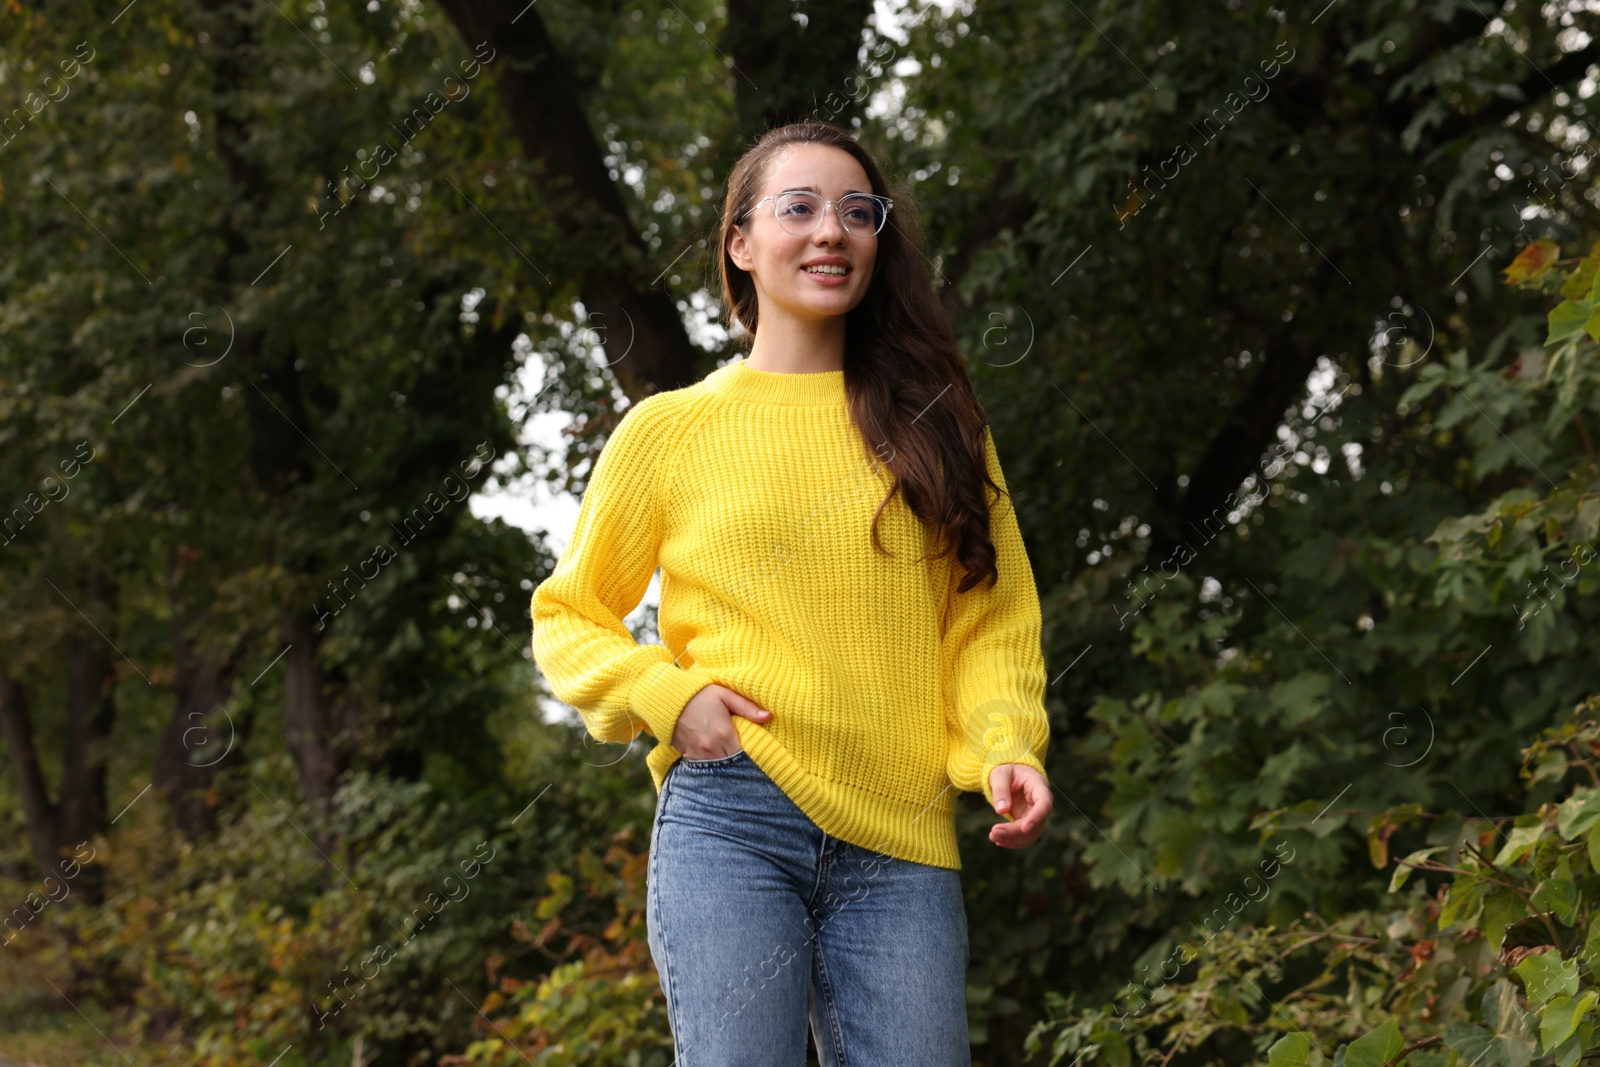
(1002, 732)
(997, 759)
(659, 695)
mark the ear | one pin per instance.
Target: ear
(739, 250)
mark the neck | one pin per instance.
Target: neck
(788, 345)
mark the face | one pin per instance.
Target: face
(778, 260)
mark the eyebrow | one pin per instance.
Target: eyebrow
(814, 189)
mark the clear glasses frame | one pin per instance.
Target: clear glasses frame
(883, 203)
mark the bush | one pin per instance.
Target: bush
(603, 1004)
(1486, 956)
(266, 936)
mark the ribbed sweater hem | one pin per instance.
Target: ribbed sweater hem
(921, 832)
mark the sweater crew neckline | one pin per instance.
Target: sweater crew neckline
(743, 382)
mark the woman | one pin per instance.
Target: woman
(827, 682)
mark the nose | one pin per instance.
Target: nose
(830, 229)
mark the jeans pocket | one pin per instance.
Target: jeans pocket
(720, 761)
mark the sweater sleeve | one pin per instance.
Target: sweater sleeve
(993, 665)
(583, 649)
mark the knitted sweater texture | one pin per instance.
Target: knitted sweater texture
(754, 493)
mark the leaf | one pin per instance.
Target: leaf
(1591, 945)
(1378, 841)
(1552, 765)
(1470, 1041)
(1567, 319)
(1500, 910)
(1307, 815)
(1519, 843)
(1547, 975)
(1403, 872)
(1559, 1019)
(1593, 842)
(1578, 813)
(1514, 1042)
(1583, 276)
(1113, 1048)
(1430, 1058)
(1375, 1048)
(1290, 1050)
(1462, 901)
(1531, 262)
(1558, 894)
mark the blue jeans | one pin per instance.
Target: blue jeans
(757, 921)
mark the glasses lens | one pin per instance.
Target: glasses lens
(861, 214)
(800, 212)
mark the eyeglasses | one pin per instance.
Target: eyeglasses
(800, 212)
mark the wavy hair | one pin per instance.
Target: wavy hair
(905, 375)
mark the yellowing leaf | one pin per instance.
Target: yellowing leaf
(1532, 262)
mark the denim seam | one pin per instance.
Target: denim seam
(655, 905)
(829, 1011)
(822, 872)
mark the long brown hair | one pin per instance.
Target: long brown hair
(905, 375)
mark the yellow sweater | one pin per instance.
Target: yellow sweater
(754, 493)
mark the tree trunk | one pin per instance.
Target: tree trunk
(203, 738)
(310, 729)
(16, 721)
(57, 827)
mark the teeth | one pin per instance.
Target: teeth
(825, 270)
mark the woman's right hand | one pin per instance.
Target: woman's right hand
(705, 726)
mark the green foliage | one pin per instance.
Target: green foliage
(1493, 961)
(255, 940)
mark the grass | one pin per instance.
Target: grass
(39, 1027)
(62, 1039)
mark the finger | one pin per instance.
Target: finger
(1003, 835)
(1035, 802)
(1015, 832)
(1044, 801)
(1030, 822)
(1000, 783)
(749, 709)
(1027, 820)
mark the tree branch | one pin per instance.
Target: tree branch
(649, 350)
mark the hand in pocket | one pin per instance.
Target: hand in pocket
(705, 727)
